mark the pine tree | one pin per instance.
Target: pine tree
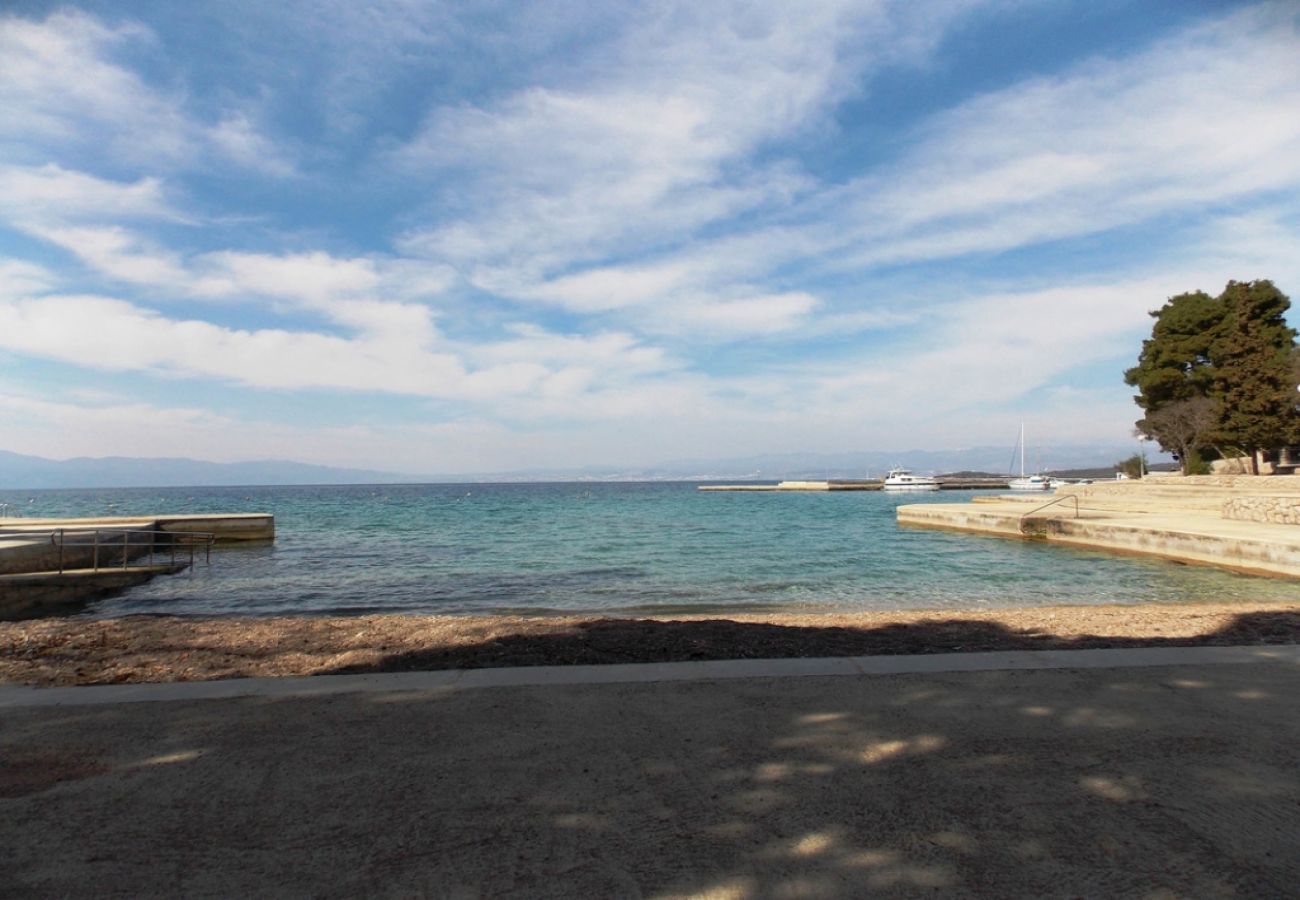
(1176, 368)
(1220, 371)
(1175, 363)
(1253, 370)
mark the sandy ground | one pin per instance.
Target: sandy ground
(163, 648)
(1156, 783)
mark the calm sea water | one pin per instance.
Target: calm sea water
(615, 548)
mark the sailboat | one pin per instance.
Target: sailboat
(1030, 482)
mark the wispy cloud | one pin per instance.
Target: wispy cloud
(65, 88)
(393, 348)
(1109, 144)
(655, 138)
(559, 178)
(50, 194)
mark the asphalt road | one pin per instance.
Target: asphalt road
(1173, 781)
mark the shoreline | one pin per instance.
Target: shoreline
(148, 648)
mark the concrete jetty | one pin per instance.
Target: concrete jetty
(226, 527)
(47, 565)
(945, 484)
(1245, 523)
(866, 485)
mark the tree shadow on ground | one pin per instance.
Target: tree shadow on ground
(1164, 782)
(610, 641)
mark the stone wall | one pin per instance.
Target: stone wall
(1275, 510)
(1255, 483)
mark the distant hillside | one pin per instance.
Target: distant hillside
(24, 472)
(21, 472)
(874, 463)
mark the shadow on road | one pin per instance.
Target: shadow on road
(1165, 782)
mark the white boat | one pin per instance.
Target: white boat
(900, 479)
(1030, 482)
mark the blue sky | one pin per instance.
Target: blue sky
(474, 237)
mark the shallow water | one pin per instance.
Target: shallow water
(618, 548)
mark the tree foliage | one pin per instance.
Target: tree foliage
(1133, 467)
(1253, 371)
(1176, 363)
(1219, 372)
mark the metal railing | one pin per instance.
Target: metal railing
(1052, 502)
(9, 511)
(129, 548)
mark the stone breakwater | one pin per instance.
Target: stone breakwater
(1236, 522)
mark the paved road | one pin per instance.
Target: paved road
(1153, 782)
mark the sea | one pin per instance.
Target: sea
(615, 548)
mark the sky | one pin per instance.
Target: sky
(487, 236)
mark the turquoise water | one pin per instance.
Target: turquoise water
(615, 548)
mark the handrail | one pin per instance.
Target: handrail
(149, 549)
(9, 511)
(1052, 502)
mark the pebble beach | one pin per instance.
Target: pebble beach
(136, 649)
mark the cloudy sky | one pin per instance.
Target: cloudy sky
(481, 236)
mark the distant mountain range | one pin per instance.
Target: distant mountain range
(874, 463)
(28, 472)
(18, 471)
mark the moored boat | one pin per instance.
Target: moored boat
(900, 479)
(1028, 482)
(1031, 483)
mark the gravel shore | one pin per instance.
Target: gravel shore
(172, 648)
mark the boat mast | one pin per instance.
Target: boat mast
(1022, 448)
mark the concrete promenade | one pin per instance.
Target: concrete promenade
(1157, 773)
(1204, 520)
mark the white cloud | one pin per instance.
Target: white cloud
(598, 290)
(1109, 144)
(347, 290)
(704, 292)
(309, 278)
(396, 350)
(1261, 243)
(1203, 117)
(19, 278)
(981, 361)
(654, 137)
(761, 314)
(111, 334)
(534, 344)
(117, 253)
(237, 139)
(47, 203)
(59, 86)
(65, 90)
(51, 194)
